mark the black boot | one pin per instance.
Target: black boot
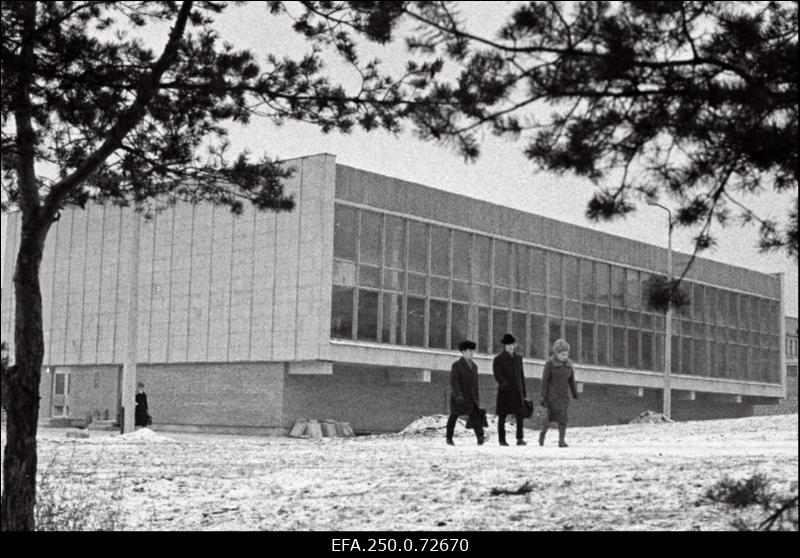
(450, 442)
(562, 432)
(542, 434)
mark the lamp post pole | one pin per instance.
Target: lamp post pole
(667, 403)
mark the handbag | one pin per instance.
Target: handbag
(484, 422)
(528, 408)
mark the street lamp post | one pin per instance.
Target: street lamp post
(667, 404)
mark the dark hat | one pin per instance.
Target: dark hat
(467, 346)
(508, 339)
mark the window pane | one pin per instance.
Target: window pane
(417, 284)
(502, 297)
(437, 337)
(698, 302)
(555, 333)
(370, 238)
(342, 312)
(602, 345)
(459, 330)
(537, 274)
(618, 347)
(617, 286)
(344, 233)
(700, 358)
(417, 246)
(633, 297)
(440, 287)
(587, 343)
(369, 276)
(59, 388)
(462, 252)
(633, 348)
(687, 366)
(676, 355)
(482, 294)
(440, 251)
(647, 350)
(587, 281)
(367, 315)
(521, 263)
(483, 330)
(394, 253)
(481, 260)
(392, 318)
(603, 282)
(571, 277)
(499, 328)
(520, 330)
(645, 279)
(461, 291)
(537, 337)
(415, 321)
(571, 335)
(658, 351)
(554, 274)
(501, 263)
(393, 280)
(344, 273)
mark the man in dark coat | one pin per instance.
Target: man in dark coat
(558, 380)
(507, 369)
(464, 397)
(141, 415)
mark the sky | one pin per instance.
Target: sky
(501, 175)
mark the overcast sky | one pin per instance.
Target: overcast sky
(501, 175)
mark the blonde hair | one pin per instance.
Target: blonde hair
(560, 345)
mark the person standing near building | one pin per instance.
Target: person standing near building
(464, 396)
(142, 416)
(558, 381)
(507, 369)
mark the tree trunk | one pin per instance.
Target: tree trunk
(20, 460)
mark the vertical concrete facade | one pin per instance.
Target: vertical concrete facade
(212, 286)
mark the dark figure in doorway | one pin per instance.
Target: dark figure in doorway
(507, 369)
(142, 417)
(558, 381)
(464, 397)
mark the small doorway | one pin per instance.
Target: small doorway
(61, 389)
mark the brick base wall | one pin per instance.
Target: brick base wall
(371, 403)
(786, 406)
(263, 398)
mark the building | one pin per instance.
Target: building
(789, 403)
(351, 306)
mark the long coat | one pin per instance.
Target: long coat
(140, 416)
(464, 397)
(558, 380)
(507, 370)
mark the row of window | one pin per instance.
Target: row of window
(406, 282)
(391, 253)
(365, 315)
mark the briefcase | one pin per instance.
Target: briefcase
(484, 422)
(528, 408)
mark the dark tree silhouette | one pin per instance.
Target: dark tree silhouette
(118, 123)
(692, 101)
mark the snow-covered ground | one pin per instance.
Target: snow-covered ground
(631, 477)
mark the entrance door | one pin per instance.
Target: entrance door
(61, 393)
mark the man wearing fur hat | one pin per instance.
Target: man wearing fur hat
(464, 397)
(507, 369)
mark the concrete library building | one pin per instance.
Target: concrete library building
(351, 308)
